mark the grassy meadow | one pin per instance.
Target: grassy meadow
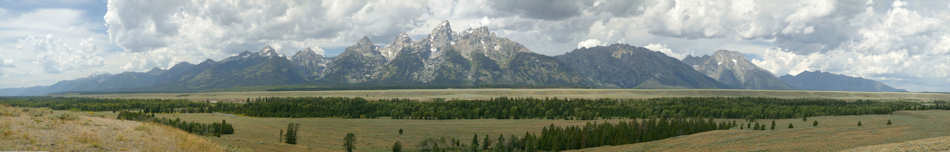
(326, 134)
(833, 133)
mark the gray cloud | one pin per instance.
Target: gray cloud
(540, 9)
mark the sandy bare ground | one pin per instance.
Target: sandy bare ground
(34, 129)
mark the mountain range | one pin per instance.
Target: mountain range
(817, 80)
(732, 68)
(472, 58)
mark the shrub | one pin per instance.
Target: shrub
(65, 116)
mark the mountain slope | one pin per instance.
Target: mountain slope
(247, 69)
(625, 66)
(475, 57)
(472, 58)
(732, 68)
(818, 80)
(309, 64)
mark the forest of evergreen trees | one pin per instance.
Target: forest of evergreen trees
(96, 104)
(213, 129)
(499, 108)
(556, 138)
(555, 108)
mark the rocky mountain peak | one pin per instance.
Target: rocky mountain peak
(155, 70)
(819, 80)
(442, 34)
(401, 41)
(732, 68)
(729, 55)
(478, 32)
(734, 59)
(364, 42)
(306, 54)
(206, 62)
(268, 51)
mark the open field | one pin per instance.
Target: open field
(429, 94)
(326, 134)
(40, 129)
(833, 133)
(929, 144)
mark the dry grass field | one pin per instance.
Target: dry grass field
(326, 134)
(39, 129)
(428, 94)
(834, 133)
(36, 129)
(929, 144)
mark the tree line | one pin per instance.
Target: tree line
(559, 108)
(213, 129)
(96, 104)
(497, 108)
(556, 138)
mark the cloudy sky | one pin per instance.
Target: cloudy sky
(905, 44)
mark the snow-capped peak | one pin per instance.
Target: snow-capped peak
(268, 51)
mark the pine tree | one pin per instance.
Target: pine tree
(790, 126)
(226, 128)
(400, 131)
(291, 134)
(474, 143)
(888, 122)
(218, 129)
(486, 144)
(512, 143)
(530, 142)
(349, 142)
(859, 123)
(815, 124)
(773, 125)
(500, 144)
(397, 147)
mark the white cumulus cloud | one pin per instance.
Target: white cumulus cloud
(663, 49)
(56, 55)
(590, 43)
